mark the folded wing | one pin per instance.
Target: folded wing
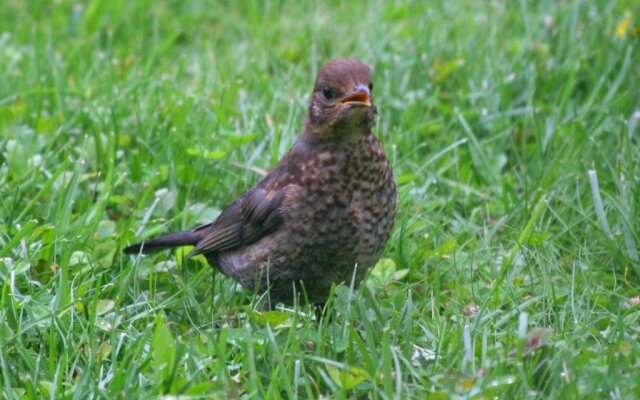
(251, 217)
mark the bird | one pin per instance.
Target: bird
(322, 216)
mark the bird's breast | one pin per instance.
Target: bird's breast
(347, 202)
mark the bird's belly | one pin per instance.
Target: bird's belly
(349, 234)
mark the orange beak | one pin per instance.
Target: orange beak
(360, 97)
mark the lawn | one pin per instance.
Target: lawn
(513, 127)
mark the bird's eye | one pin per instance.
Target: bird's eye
(371, 86)
(327, 92)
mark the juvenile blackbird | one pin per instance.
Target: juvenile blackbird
(322, 216)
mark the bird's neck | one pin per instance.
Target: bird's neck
(314, 135)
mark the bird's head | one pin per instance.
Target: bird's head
(342, 99)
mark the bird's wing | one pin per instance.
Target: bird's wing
(253, 215)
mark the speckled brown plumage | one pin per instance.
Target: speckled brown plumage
(322, 216)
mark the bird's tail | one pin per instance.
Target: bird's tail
(185, 238)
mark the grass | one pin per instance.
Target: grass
(513, 270)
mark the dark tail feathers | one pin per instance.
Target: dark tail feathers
(185, 238)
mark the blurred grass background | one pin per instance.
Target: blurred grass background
(513, 271)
